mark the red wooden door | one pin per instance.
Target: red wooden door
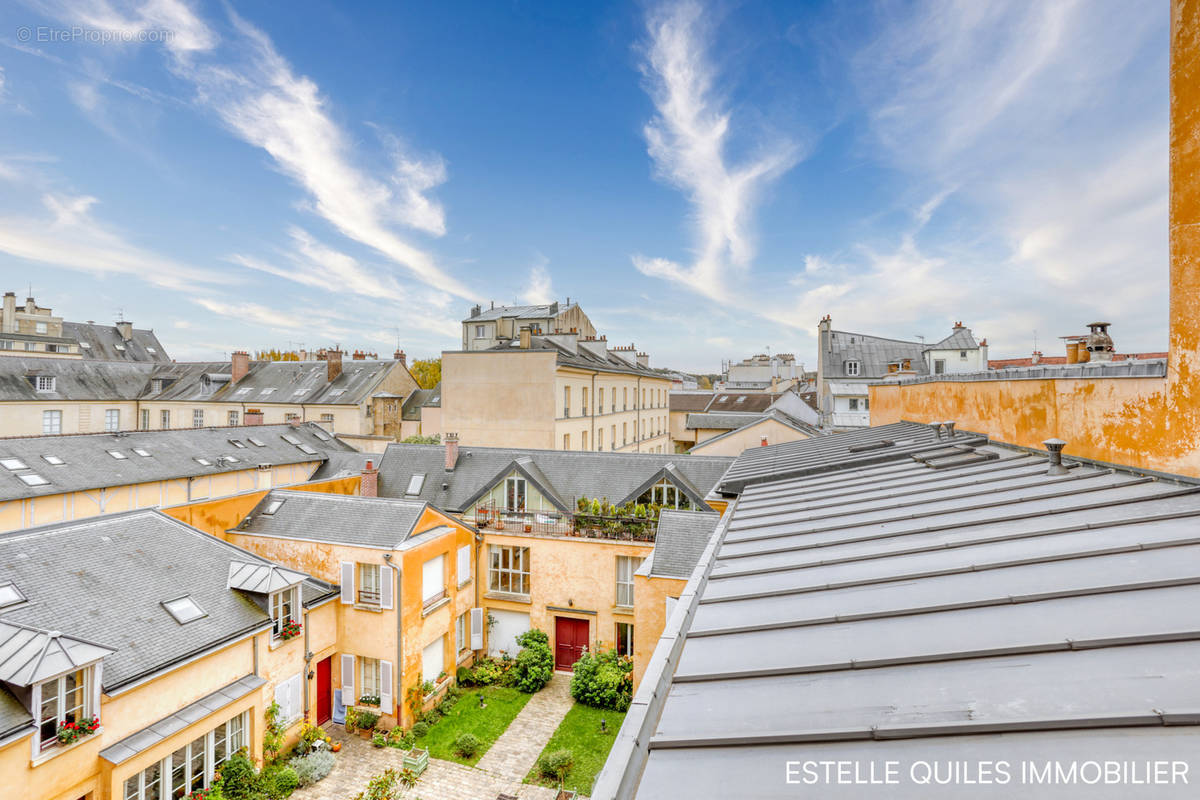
(324, 690)
(570, 640)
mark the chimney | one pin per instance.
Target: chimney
(8, 323)
(476, 311)
(1054, 448)
(30, 306)
(763, 443)
(451, 451)
(1037, 357)
(643, 359)
(333, 364)
(526, 337)
(369, 487)
(403, 359)
(239, 363)
(1099, 343)
(359, 355)
(126, 329)
(949, 426)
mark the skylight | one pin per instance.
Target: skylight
(324, 437)
(268, 391)
(415, 483)
(256, 442)
(120, 347)
(151, 350)
(741, 400)
(85, 345)
(336, 392)
(33, 479)
(141, 451)
(242, 392)
(13, 463)
(203, 461)
(10, 595)
(273, 506)
(230, 459)
(236, 443)
(117, 454)
(287, 437)
(55, 460)
(306, 449)
(184, 609)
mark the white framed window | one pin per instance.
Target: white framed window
(854, 404)
(433, 659)
(939, 366)
(40, 327)
(284, 608)
(480, 331)
(514, 494)
(233, 419)
(508, 569)
(624, 639)
(566, 441)
(566, 402)
(668, 495)
(626, 566)
(51, 422)
(433, 580)
(962, 354)
(197, 417)
(462, 630)
(368, 588)
(368, 675)
(44, 383)
(144, 423)
(190, 767)
(852, 368)
(463, 571)
(291, 416)
(164, 419)
(112, 419)
(327, 418)
(64, 699)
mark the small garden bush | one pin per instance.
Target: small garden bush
(467, 745)
(603, 680)
(420, 729)
(379, 739)
(239, 779)
(535, 663)
(555, 765)
(384, 786)
(279, 782)
(366, 720)
(313, 767)
(432, 716)
(464, 676)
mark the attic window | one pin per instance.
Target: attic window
(256, 442)
(151, 350)
(852, 368)
(184, 609)
(44, 383)
(55, 460)
(141, 451)
(336, 392)
(268, 391)
(230, 459)
(118, 455)
(85, 345)
(236, 443)
(10, 595)
(157, 385)
(120, 347)
(245, 390)
(287, 437)
(415, 483)
(13, 463)
(272, 507)
(740, 400)
(202, 461)
(33, 479)
(306, 449)
(324, 437)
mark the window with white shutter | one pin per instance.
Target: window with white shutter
(347, 581)
(433, 580)
(476, 628)
(385, 687)
(387, 580)
(289, 694)
(433, 659)
(348, 696)
(464, 565)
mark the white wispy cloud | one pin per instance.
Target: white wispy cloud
(538, 290)
(688, 140)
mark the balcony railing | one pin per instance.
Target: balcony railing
(554, 523)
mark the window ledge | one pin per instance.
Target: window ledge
(463, 655)
(515, 598)
(628, 610)
(58, 749)
(373, 609)
(434, 606)
(465, 584)
(276, 642)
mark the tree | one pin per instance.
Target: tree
(704, 382)
(427, 372)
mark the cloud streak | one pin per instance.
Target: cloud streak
(688, 141)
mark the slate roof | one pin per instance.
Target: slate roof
(30, 655)
(959, 339)
(421, 398)
(266, 382)
(571, 474)
(104, 343)
(126, 565)
(913, 610)
(755, 419)
(380, 522)
(742, 401)
(518, 312)
(681, 538)
(873, 353)
(87, 463)
(690, 401)
(582, 358)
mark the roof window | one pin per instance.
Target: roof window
(322, 435)
(273, 506)
(120, 347)
(85, 345)
(33, 479)
(184, 609)
(287, 437)
(415, 484)
(242, 392)
(141, 451)
(10, 595)
(256, 442)
(306, 449)
(13, 463)
(55, 460)
(236, 443)
(151, 350)
(202, 461)
(268, 390)
(118, 455)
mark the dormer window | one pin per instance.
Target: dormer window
(157, 385)
(65, 700)
(284, 611)
(44, 383)
(852, 368)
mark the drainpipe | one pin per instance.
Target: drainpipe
(398, 607)
(308, 657)
(637, 425)
(592, 405)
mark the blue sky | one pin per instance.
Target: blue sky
(708, 179)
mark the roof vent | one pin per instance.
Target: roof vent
(937, 429)
(949, 426)
(1054, 447)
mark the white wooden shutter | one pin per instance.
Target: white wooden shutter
(387, 581)
(296, 696)
(348, 696)
(347, 581)
(464, 564)
(476, 628)
(385, 687)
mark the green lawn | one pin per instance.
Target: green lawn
(580, 733)
(487, 723)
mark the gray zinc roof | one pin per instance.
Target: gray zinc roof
(959, 339)
(126, 566)
(87, 462)
(105, 343)
(724, 421)
(681, 538)
(517, 312)
(273, 382)
(570, 474)
(74, 379)
(914, 610)
(873, 353)
(380, 522)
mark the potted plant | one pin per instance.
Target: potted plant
(69, 732)
(528, 526)
(379, 739)
(416, 759)
(369, 700)
(366, 723)
(351, 719)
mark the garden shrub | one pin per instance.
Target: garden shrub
(379, 739)
(366, 720)
(432, 716)
(486, 672)
(239, 779)
(465, 676)
(603, 680)
(278, 782)
(420, 729)
(467, 745)
(383, 786)
(535, 663)
(313, 767)
(556, 764)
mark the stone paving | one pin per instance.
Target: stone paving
(501, 770)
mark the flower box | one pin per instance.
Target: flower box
(69, 732)
(417, 759)
(291, 629)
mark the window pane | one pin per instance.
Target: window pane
(220, 746)
(179, 773)
(197, 776)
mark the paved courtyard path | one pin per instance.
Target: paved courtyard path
(501, 770)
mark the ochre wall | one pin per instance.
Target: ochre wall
(650, 617)
(218, 516)
(499, 399)
(733, 444)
